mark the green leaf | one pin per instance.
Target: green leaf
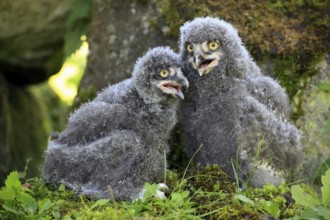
(44, 205)
(320, 171)
(101, 202)
(60, 202)
(56, 214)
(22, 175)
(303, 198)
(178, 197)
(325, 189)
(11, 210)
(272, 208)
(151, 189)
(13, 180)
(323, 211)
(7, 194)
(310, 214)
(61, 188)
(244, 199)
(28, 202)
(324, 86)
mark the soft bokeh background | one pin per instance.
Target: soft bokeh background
(52, 50)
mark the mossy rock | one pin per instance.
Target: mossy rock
(315, 105)
(25, 128)
(25, 125)
(32, 39)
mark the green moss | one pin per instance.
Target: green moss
(293, 73)
(210, 178)
(270, 195)
(286, 70)
(237, 213)
(279, 28)
(184, 201)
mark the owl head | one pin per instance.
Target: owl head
(212, 45)
(157, 75)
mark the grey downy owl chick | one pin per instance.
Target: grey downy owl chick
(118, 139)
(237, 114)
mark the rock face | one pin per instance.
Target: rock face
(32, 39)
(278, 34)
(31, 49)
(315, 105)
(120, 32)
(23, 132)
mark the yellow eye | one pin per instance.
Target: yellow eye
(164, 73)
(213, 45)
(189, 47)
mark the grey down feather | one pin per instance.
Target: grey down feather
(239, 115)
(118, 139)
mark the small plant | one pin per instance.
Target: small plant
(313, 206)
(17, 201)
(269, 200)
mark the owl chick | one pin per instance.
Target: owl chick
(118, 139)
(238, 115)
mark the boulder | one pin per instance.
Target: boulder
(32, 39)
(315, 106)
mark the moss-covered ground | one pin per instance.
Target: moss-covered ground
(204, 193)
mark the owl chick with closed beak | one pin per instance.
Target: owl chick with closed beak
(116, 141)
(238, 116)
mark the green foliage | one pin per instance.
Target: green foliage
(269, 200)
(324, 86)
(18, 202)
(325, 189)
(313, 206)
(305, 196)
(77, 25)
(320, 171)
(151, 189)
(203, 194)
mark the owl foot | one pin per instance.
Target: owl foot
(160, 193)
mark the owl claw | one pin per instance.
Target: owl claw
(160, 193)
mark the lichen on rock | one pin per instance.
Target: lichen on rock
(315, 105)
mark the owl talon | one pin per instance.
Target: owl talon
(160, 193)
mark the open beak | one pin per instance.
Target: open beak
(204, 66)
(204, 62)
(174, 88)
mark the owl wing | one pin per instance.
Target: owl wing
(268, 92)
(92, 121)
